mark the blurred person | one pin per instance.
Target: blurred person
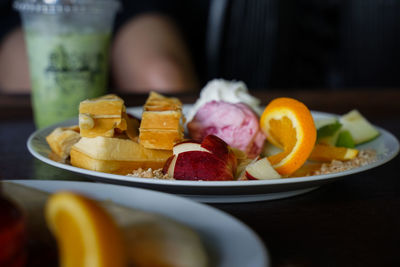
(151, 50)
(178, 45)
(291, 43)
(148, 53)
(14, 71)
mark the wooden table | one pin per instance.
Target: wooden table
(354, 221)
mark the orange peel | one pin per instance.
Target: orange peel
(289, 125)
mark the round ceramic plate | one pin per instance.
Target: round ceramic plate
(244, 248)
(386, 147)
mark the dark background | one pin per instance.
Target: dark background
(281, 43)
(290, 43)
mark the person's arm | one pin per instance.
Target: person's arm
(149, 54)
(14, 70)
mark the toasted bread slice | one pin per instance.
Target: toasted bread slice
(102, 116)
(103, 107)
(132, 127)
(116, 155)
(162, 122)
(166, 120)
(62, 139)
(162, 139)
(158, 102)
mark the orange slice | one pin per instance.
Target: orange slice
(327, 153)
(289, 125)
(86, 234)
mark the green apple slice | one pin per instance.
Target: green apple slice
(360, 129)
(345, 139)
(329, 140)
(321, 122)
(327, 130)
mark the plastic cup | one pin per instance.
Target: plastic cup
(68, 45)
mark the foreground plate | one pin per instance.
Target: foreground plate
(386, 146)
(215, 227)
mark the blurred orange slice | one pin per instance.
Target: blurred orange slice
(327, 153)
(86, 234)
(289, 125)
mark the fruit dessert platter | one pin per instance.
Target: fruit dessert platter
(225, 136)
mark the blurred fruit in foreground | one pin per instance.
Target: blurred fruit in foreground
(12, 235)
(86, 234)
(289, 125)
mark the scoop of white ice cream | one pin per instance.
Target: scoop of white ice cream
(228, 91)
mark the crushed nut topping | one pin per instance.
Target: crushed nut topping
(150, 173)
(364, 157)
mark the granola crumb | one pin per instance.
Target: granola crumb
(150, 173)
(363, 158)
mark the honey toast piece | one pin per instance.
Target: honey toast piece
(132, 127)
(61, 140)
(102, 116)
(118, 155)
(162, 122)
(158, 102)
(160, 139)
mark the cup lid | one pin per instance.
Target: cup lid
(66, 6)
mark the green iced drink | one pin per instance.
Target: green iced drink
(68, 48)
(65, 69)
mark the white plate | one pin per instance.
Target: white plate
(243, 248)
(386, 146)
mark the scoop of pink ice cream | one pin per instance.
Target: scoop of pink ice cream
(236, 124)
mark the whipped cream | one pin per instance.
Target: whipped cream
(228, 91)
